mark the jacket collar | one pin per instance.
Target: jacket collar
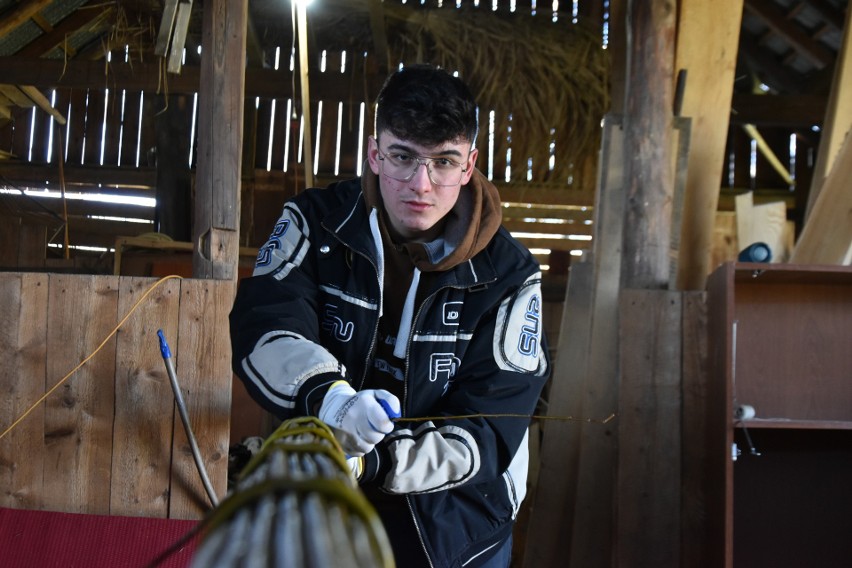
(350, 224)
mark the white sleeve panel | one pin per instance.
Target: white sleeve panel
(517, 338)
(431, 459)
(287, 245)
(516, 475)
(282, 361)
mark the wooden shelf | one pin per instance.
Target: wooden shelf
(780, 423)
(779, 342)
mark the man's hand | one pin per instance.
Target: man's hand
(359, 419)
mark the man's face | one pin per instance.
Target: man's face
(416, 208)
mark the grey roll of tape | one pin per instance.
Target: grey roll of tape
(744, 412)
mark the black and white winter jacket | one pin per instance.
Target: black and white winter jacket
(475, 352)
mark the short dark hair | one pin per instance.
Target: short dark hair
(427, 105)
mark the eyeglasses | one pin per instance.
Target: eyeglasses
(402, 167)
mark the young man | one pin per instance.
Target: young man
(400, 294)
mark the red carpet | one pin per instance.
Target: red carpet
(42, 539)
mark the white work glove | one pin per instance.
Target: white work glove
(359, 420)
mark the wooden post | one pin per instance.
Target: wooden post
(648, 136)
(708, 35)
(220, 136)
(302, 26)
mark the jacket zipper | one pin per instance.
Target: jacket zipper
(428, 300)
(376, 325)
(417, 528)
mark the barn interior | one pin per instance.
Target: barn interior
(648, 153)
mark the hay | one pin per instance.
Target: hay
(550, 78)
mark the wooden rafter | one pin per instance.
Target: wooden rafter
(771, 72)
(61, 31)
(21, 14)
(793, 111)
(778, 22)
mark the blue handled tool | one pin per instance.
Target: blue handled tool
(390, 411)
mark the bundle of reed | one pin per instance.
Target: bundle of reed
(295, 504)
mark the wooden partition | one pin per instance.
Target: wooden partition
(109, 440)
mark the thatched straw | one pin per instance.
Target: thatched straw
(550, 77)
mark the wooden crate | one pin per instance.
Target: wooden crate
(109, 439)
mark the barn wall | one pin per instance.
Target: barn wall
(108, 439)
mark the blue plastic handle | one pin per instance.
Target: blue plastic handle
(164, 347)
(390, 411)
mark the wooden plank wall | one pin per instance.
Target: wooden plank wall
(108, 440)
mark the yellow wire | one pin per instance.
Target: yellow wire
(86, 360)
(507, 415)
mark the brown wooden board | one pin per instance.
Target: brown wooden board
(23, 341)
(203, 364)
(707, 39)
(41, 135)
(31, 250)
(129, 128)
(592, 542)
(261, 143)
(75, 129)
(324, 136)
(95, 106)
(649, 429)
(112, 127)
(78, 416)
(552, 514)
(144, 403)
(10, 235)
(694, 430)
(22, 118)
(788, 365)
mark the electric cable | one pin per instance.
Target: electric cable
(92, 354)
(606, 420)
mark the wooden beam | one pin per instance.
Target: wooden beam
(305, 84)
(793, 34)
(707, 47)
(518, 225)
(789, 111)
(144, 76)
(41, 101)
(766, 68)
(380, 38)
(122, 180)
(220, 136)
(827, 235)
(830, 15)
(648, 135)
(16, 96)
(81, 18)
(766, 151)
(838, 119)
(20, 14)
(556, 244)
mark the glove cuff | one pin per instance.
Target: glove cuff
(376, 464)
(312, 394)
